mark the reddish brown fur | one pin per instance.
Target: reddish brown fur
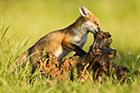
(61, 42)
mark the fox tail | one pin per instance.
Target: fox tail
(23, 57)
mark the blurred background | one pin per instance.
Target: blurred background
(35, 18)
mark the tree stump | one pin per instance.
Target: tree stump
(98, 62)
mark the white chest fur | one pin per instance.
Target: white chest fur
(80, 35)
(80, 39)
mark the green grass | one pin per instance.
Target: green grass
(29, 20)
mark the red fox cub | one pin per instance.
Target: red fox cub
(61, 42)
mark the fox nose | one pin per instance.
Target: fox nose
(97, 30)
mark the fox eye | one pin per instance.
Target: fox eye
(96, 23)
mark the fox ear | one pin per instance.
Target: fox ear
(84, 11)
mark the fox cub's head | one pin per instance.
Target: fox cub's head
(91, 22)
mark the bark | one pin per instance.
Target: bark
(94, 65)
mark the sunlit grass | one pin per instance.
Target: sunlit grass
(23, 22)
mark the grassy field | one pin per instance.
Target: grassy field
(29, 20)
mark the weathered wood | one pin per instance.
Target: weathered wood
(98, 61)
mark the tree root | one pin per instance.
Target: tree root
(95, 65)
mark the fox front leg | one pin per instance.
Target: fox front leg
(79, 51)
